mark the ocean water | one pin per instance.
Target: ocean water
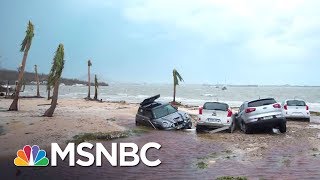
(188, 93)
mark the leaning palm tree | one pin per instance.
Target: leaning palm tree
(96, 85)
(54, 78)
(37, 79)
(25, 47)
(89, 83)
(176, 78)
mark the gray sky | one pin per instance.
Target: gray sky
(207, 41)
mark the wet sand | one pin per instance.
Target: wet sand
(184, 154)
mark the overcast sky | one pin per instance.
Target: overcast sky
(207, 41)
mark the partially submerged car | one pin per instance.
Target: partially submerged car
(214, 115)
(261, 114)
(296, 109)
(161, 116)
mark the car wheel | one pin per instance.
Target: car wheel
(308, 119)
(137, 123)
(199, 129)
(245, 128)
(283, 127)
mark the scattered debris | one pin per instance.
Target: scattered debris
(231, 178)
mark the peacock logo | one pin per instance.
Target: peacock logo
(31, 156)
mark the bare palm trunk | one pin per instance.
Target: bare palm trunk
(14, 104)
(96, 93)
(54, 101)
(89, 83)
(174, 93)
(49, 94)
(37, 79)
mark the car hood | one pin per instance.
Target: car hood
(174, 117)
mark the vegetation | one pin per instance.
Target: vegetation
(11, 76)
(176, 79)
(25, 47)
(54, 78)
(89, 84)
(105, 135)
(96, 85)
(37, 79)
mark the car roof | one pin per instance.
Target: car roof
(294, 100)
(260, 100)
(215, 102)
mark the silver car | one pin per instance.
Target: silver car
(261, 114)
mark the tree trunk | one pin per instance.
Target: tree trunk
(49, 93)
(174, 93)
(95, 93)
(89, 83)
(54, 101)
(14, 104)
(37, 79)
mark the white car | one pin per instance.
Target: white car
(296, 109)
(214, 115)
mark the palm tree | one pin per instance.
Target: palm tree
(25, 46)
(176, 78)
(89, 83)
(96, 85)
(37, 79)
(54, 78)
(48, 90)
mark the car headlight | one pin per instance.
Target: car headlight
(187, 116)
(166, 124)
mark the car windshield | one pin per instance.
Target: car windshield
(261, 102)
(215, 106)
(296, 103)
(162, 111)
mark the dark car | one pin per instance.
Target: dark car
(162, 116)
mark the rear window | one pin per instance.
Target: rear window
(261, 102)
(296, 103)
(216, 106)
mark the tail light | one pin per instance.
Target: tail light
(229, 113)
(307, 107)
(249, 110)
(277, 106)
(285, 107)
(200, 110)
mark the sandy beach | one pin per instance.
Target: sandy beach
(72, 117)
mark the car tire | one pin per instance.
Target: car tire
(283, 128)
(308, 119)
(199, 129)
(137, 123)
(245, 128)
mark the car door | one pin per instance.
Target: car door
(147, 117)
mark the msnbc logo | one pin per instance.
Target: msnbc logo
(31, 156)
